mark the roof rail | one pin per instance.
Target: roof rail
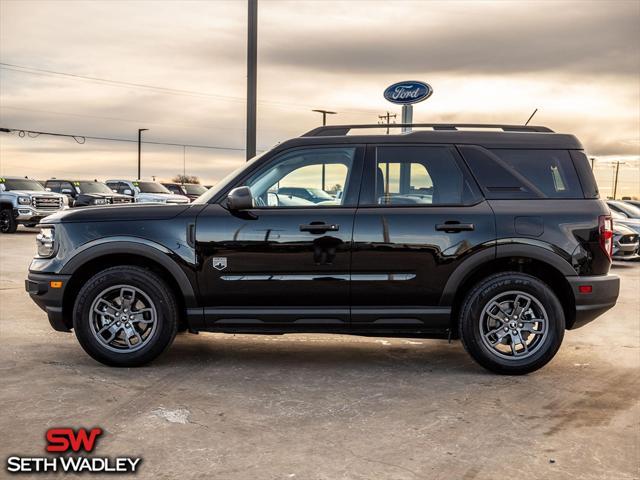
(339, 130)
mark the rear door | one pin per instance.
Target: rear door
(420, 215)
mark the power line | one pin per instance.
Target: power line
(81, 139)
(160, 89)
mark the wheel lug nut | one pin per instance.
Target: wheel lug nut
(118, 324)
(117, 314)
(520, 325)
(506, 329)
(514, 332)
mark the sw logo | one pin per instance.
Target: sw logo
(65, 439)
(219, 263)
(66, 442)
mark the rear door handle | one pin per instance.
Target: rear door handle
(455, 227)
(319, 227)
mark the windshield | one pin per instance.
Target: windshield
(21, 184)
(194, 189)
(629, 210)
(213, 191)
(92, 187)
(151, 187)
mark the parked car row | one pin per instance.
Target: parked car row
(626, 221)
(25, 201)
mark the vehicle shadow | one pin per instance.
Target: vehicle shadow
(320, 353)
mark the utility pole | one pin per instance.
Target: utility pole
(252, 70)
(387, 117)
(324, 115)
(140, 130)
(324, 123)
(615, 184)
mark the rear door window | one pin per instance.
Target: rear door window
(420, 175)
(523, 173)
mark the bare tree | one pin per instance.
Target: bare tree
(180, 178)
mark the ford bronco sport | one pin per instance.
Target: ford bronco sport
(491, 233)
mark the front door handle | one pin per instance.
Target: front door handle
(455, 227)
(319, 227)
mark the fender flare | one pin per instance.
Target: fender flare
(134, 246)
(541, 252)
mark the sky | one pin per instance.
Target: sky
(577, 62)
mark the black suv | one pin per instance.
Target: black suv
(84, 193)
(494, 235)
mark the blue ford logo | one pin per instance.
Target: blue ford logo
(409, 92)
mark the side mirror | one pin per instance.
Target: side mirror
(240, 198)
(127, 191)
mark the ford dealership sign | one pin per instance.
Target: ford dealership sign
(406, 93)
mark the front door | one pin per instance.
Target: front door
(285, 263)
(420, 216)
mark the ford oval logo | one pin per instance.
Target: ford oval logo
(408, 92)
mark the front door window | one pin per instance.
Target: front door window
(314, 177)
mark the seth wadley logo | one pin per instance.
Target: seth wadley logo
(67, 442)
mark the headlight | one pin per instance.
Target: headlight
(46, 242)
(100, 201)
(24, 200)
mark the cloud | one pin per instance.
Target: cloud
(578, 62)
(586, 38)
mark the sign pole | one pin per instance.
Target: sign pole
(407, 117)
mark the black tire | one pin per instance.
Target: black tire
(148, 284)
(500, 286)
(8, 222)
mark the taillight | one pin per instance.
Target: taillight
(605, 227)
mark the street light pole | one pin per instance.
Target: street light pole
(140, 130)
(324, 115)
(252, 58)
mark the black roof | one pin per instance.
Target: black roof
(486, 135)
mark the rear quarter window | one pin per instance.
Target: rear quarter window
(523, 173)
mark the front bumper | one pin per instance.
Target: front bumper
(32, 215)
(49, 299)
(590, 305)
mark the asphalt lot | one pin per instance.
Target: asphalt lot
(326, 407)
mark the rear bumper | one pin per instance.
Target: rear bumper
(603, 296)
(49, 299)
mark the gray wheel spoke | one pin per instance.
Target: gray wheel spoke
(529, 326)
(520, 305)
(127, 296)
(103, 307)
(500, 315)
(499, 333)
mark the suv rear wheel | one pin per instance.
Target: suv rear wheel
(8, 223)
(125, 316)
(512, 323)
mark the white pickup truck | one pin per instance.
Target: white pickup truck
(24, 201)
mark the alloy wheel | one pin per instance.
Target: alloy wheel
(123, 318)
(513, 325)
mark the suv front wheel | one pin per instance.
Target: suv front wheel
(125, 316)
(512, 323)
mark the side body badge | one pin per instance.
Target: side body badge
(219, 263)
